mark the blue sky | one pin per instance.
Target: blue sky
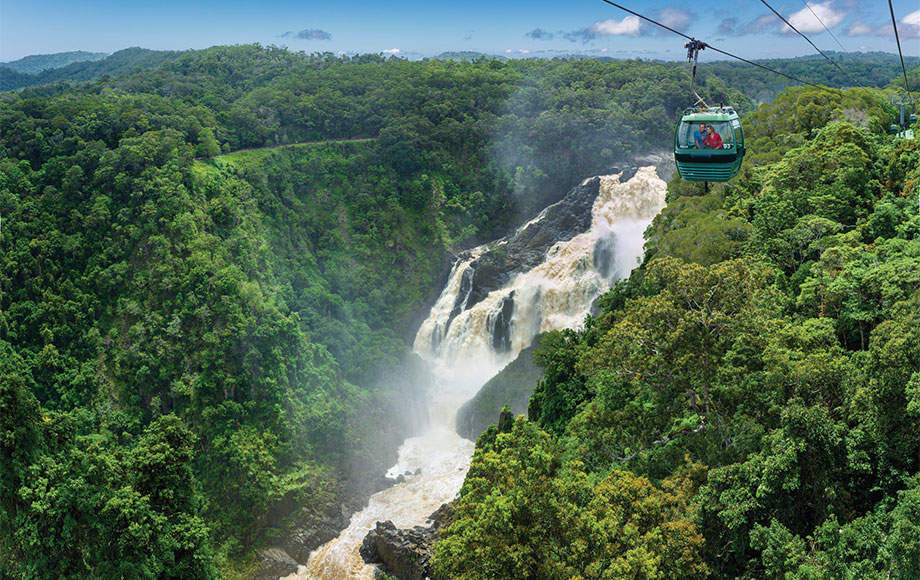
(416, 29)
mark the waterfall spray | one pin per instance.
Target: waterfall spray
(467, 344)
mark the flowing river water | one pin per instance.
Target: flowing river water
(553, 295)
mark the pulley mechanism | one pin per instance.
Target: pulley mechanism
(693, 53)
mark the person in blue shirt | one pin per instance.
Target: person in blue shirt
(700, 137)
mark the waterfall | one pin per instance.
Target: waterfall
(555, 294)
(468, 344)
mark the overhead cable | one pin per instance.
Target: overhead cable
(649, 20)
(789, 24)
(807, 5)
(898, 40)
(796, 79)
(728, 54)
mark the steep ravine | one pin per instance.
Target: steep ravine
(498, 297)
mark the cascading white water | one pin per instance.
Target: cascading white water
(557, 293)
(554, 295)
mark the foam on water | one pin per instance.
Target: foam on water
(554, 295)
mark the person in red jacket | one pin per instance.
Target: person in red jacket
(713, 139)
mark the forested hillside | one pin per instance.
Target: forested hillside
(197, 347)
(870, 69)
(747, 404)
(201, 341)
(41, 62)
(85, 69)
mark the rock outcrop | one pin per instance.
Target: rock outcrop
(513, 386)
(526, 248)
(402, 553)
(274, 563)
(311, 530)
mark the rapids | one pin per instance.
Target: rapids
(459, 344)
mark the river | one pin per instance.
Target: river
(555, 294)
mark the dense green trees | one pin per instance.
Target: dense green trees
(84, 508)
(139, 285)
(525, 514)
(188, 348)
(765, 352)
(256, 299)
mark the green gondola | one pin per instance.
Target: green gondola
(702, 163)
(903, 129)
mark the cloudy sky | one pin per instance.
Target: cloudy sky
(415, 29)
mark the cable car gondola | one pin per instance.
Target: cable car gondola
(903, 129)
(700, 162)
(717, 157)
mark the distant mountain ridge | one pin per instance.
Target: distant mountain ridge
(467, 55)
(121, 62)
(36, 63)
(868, 69)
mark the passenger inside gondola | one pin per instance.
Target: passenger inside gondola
(696, 135)
(699, 137)
(713, 139)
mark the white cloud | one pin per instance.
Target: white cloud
(805, 22)
(912, 19)
(391, 51)
(520, 51)
(911, 24)
(908, 27)
(675, 18)
(759, 25)
(629, 26)
(863, 29)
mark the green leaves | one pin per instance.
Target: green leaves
(771, 335)
(523, 514)
(561, 391)
(88, 509)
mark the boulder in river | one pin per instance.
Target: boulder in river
(274, 563)
(405, 553)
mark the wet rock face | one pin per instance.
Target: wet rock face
(527, 247)
(402, 553)
(605, 260)
(311, 531)
(500, 323)
(273, 564)
(314, 527)
(513, 386)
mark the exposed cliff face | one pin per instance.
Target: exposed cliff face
(512, 386)
(496, 300)
(527, 247)
(546, 274)
(273, 562)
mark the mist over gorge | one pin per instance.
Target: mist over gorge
(578, 248)
(213, 269)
